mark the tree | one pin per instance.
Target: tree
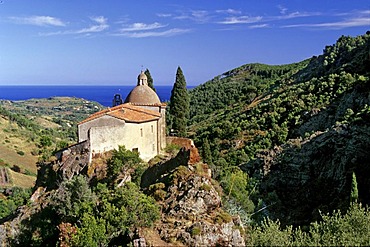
(207, 154)
(179, 104)
(150, 79)
(123, 161)
(354, 190)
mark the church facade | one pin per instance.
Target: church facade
(139, 124)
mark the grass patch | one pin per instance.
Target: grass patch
(223, 217)
(195, 231)
(21, 180)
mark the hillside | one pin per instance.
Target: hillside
(285, 161)
(32, 129)
(292, 129)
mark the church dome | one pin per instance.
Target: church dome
(142, 94)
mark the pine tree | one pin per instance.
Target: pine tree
(150, 79)
(354, 190)
(179, 104)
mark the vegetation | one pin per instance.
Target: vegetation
(179, 105)
(264, 120)
(15, 197)
(349, 229)
(97, 213)
(48, 123)
(274, 136)
(150, 79)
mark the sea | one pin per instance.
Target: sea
(102, 94)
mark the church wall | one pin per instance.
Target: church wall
(161, 124)
(162, 128)
(142, 136)
(83, 129)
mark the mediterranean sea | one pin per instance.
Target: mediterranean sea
(102, 94)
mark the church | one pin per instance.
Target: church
(138, 123)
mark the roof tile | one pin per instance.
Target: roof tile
(126, 112)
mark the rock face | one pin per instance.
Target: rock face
(315, 174)
(73, 160)
(191, 205)
(193, 215)
(67, 163)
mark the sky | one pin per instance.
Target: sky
(108, 42)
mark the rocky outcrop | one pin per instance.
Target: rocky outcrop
(191, 208)
(67, 162)
(192, 215)
(73, 159)
(315, 174)
(188, 144)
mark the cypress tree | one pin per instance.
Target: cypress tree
(207, 154)
(179, 104)
(354, 190)
(150, 79)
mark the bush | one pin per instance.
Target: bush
(195, 231)
(122, 161)
(223, 217)
(172, 149)
(350, 229)
(21, 153)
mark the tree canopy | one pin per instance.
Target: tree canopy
(179, 104)
(150, 79)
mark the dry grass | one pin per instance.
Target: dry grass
(13, 141)
(21, 180)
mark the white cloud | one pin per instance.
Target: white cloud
(292, 15)
(194, 15)
(164, 15)
(282, 9)
(166, 33)
(102, 24)
(241, 20)
(354, 22)
(38, 21)
(259, 26)
(141, 27)
(229, 11)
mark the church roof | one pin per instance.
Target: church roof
(126, 112)
(142, 95)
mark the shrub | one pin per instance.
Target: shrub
(195, 231)
(205, 187)
(16, 168)
(172, 149)
(223, 217)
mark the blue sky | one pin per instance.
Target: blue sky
(108, 42)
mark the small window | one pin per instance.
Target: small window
(152, 128)
(135, 150)
(153, 147)
(141, 132)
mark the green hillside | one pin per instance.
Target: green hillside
(293, 129)
(31, 130)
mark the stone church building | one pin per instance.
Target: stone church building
(138, 123)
